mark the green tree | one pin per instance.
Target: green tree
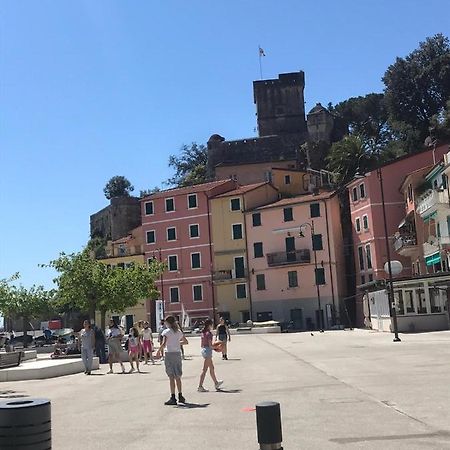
(190, 166)
(26, 303)
(118, 186)
(146, 192)
(417, 88)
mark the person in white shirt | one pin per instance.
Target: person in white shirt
(114, 340)
(172, 339)
(147, 343)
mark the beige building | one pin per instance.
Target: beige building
(230, 259)
(123, 252)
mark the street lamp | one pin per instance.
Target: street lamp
(161, 281)
(301, 234)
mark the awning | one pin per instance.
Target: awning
(433, 259)
(406, 219)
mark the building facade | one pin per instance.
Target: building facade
(229, 236)
(177, 230)
(295, 259)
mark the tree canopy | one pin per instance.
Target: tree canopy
(118, 186)
(190, 165)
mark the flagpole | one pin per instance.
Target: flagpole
(260, 62)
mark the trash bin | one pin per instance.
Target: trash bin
(25, 423)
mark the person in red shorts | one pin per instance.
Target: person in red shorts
(147, 343)
(133, 348)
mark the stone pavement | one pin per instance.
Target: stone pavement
(341, 389)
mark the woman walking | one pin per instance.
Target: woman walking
(133, 348)
(223, 335)
(207, 353)
(87, 339)
(147, 343)
(114, 340)
(172, 339)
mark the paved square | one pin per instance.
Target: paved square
(341, 389)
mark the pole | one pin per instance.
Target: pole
(162, 285)
(260, 66)
(392, 307)
(268, 424)
(315, 277)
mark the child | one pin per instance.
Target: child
(172, 339)
(133, 348)
(207, 352)
(147, 343)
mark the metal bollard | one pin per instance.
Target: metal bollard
(268, 423)
(25, 424)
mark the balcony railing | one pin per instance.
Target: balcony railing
(294, 257)
(428, 202)
(229, 274)
(403, 242)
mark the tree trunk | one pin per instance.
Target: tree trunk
(103, 319)
(25, 329)
(92, 311)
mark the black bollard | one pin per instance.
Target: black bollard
(25, 423)
(268, 423)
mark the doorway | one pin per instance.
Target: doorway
(297, 318)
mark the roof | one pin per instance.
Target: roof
(243, 189)
(418, 173)
(186, 190)
(287, 169)
(306, 198)
(318, 109)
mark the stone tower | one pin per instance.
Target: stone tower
(320, 124)
(280, 104)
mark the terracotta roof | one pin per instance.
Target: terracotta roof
(186, 190)
(306, 198)
(243, 189)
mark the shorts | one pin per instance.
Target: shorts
(207, 352)
(174, 365)
(133, 350)
(147, 346)
(222, 337)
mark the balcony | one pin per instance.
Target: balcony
(229, 274)
(285, 258)
(406, 245)
(430, 201)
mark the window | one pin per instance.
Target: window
(409, 302)
(151, 237)
(174, 295)
(192, 201)
(435, 300)
(197, 292)
(237, 231)
(173, 263)
(368, 256)
(314, 209)
(363, 279)
(256, 218)
(194, 231)
(398, 300)
(370, 276)
(260, 282)
(355, 194)
(320, 276)
(444, 181)
(358, 225)
(235, 204)
(171, 234)
(287, 179)
(317, 242)
(362, 190)
(288, 215)
(241, 290)
(410, 192)
(149, 208)
(170, 205)
(365, 222)
(292, 278)
(195, 261)
(361, 258)
(268, 176)
(258, 249)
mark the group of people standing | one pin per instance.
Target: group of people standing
(171, 341)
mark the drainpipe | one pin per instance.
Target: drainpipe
(246, 260)
(211, 260)
(329, 262)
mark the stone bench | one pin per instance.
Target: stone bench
(10, 359)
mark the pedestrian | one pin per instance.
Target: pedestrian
(172, 339)
(223, 336)
(147, 343)
(87, 339)
(114, 340)
(100, 344)
(133, 348)
(161, 328)
(207, 353)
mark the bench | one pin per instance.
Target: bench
(11, 359)
(244, 329)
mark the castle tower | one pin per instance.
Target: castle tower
(320, 124)
(280, 104)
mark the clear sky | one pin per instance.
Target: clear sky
(96, 88)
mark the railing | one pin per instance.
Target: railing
(229, 274)
(429, 200)
(294, 257)
(402, 242)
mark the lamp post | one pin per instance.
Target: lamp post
(311, 226)
(392, 307)
(161, 281)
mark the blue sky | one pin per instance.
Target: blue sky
(91, 89)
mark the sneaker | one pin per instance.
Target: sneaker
(109, 371)
(88, 373)
(202, 389)
(171, 401)
(181, 399)
(218, 384)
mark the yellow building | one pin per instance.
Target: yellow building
(230, 259)
(123, 252)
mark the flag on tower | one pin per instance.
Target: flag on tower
(261, 52)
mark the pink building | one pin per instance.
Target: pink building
(367, 216)
(177, 229)
(281, 249)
